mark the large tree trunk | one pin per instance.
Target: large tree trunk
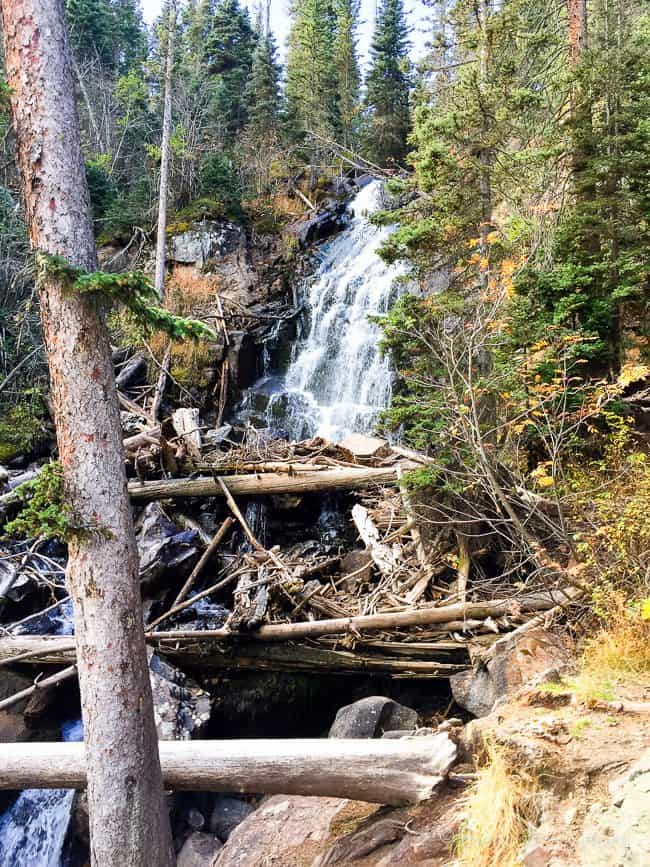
(393, 771)
(165, 154)
(128, 819)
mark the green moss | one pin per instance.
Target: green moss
(22, 428)
(44, 512)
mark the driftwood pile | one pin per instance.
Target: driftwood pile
(396, 605)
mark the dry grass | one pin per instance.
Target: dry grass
(501, 806)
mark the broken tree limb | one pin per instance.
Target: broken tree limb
(150, 436)
(266, 483)
(393, 771)
(40, 684)
(209, 551)
(384, 556)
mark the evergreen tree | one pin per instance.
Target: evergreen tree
(347, 68)
(311, 88)
(387, 118)
(263, 90)
(228, 55)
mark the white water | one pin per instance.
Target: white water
(33, 830)
(337, 381)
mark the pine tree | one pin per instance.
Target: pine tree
(228, 55)
(347, 68)
(311, 88)
(263, 90)
(387, 118)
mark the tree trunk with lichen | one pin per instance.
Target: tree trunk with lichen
(128, 819)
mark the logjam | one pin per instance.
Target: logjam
(393, 771)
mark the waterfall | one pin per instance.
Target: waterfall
(337, 381)
(33, 830)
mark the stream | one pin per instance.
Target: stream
(336, 383)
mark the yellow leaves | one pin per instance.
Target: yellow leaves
(541, 475)
(645, 609)
(632, 373)
(473, 242)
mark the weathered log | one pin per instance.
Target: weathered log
(250, 655)
(448, 614)
(150, 436)
(267, 483)
(392, 771)
(383, 556)
(187, 424)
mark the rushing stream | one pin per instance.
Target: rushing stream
(337, 380)
(33, 830)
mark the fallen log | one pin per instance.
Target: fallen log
(392, 771)
(448, 614)
(247, 654)
(266, 483)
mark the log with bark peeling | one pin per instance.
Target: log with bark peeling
(250, 655)
(394, 771)
(265, 483)
(385, 557)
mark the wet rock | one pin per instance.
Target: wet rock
(323, 224)
(216, 436)
(206, 240)
(371, 717)
(243, 356)
(282, 829)
(619, 833)
(228, 812)
(198, 850)
(4, 478)
(515, 662)
(132, 373)
(12, 723)
(181, 707)
(162, 546)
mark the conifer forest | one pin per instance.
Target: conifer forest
(324, 433)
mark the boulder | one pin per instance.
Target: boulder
(162, 546)
(133, 372)
(228, 812)
(181, 707)
(371, 717)
(281, 830)
(199, 850)
(206, 240)
(515, 662)
(320, 226)
(619, 833)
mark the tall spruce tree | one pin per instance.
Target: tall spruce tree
(228, 55)
(347, 69)
(311, 88)
(263, 90)
(387, 119)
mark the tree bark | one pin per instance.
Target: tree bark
(577, 10)
(165, 154)
(128, 819)
(394, 771)
(265, 483)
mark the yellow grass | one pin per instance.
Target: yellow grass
(500, 808)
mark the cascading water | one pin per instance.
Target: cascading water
(33, 830)
(337, 381)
